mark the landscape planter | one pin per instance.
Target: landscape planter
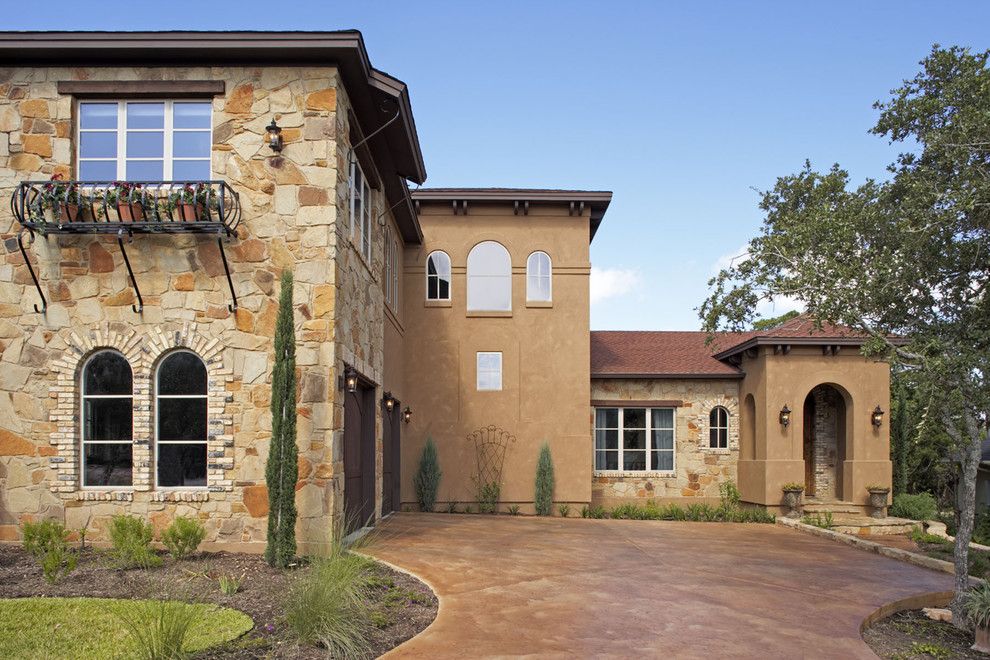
(792, 500)
(982, 643)
(132, 212)
(878, 502)
(190, 212)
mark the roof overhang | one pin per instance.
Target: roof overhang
(789, 341)
(597, 201)
(640, 376)
(376, 96)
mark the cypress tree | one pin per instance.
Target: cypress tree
(544, 482)
(282, 470)
(900, 438)
(427, 478)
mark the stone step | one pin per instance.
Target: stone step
(834, 507)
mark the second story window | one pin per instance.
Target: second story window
(489, 278)
(361, 210)
(391, 283)
(538, 283)
(145, 140)
(438, 276)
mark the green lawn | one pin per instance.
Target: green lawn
(91, 628)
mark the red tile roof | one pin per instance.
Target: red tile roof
(668, 354)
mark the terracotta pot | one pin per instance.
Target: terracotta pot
(190, 212)
(132, 212)
(982, 643)
(69, 212)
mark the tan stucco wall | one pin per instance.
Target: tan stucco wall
(294, 215)
(698, 469)
(775, 380)
(546, 381)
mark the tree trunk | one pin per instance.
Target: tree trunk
(970, 449)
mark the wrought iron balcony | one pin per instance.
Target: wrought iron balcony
(107, 207)
(125, 208)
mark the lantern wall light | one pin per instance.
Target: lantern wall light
(349, 381)
(274, 136)
(407, 415)
(389, 402)
(877, 417)
(785, 416)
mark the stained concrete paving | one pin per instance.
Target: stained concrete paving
(511, 586)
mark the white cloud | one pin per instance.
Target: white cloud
(613, 282)
(734, 258)
(778, 306)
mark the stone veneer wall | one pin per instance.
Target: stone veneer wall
(824, 445)
(291, 219)
(698, 469)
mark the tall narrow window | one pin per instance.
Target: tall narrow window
(718, 428)
(538, 282)
(107, 420)
(145, 140)
(489, 372)
(181, 425)
(361, 210)
(489, 278)
(607, 439)
(438, 276)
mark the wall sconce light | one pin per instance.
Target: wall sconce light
(349, 380)
(877, 417)
(274, 136)
(389, 402)
(406, 415)
(785, 416)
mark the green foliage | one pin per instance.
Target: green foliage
(597, 511)
(488, 496)
(230, 584)
(327, 604)
(915, 507)
(452, 506)
(822, 520)
(930, 650)
(792, 485)
(131, 540)
(183, 536)
(564, 510)
(427, 478)
(282, 469)
(544, 482)
(47, 542)
(159, 628)
(694, 512)
(918, 535)
(513, 509)
(729, 495)
(773, 322)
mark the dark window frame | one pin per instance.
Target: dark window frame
(171, 444)
(86, 421)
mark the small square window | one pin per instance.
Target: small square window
(489, 372)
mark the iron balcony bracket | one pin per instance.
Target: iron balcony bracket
(139, 307)
(226, 269)
(34, 278)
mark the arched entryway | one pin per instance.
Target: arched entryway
(824, 442)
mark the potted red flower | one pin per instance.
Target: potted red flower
(126, 197)
(191, 202)
(63, 197)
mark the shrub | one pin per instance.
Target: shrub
(488, 496)
(976, 605)
(822, 520)
(597, 511)
(452, 506)
(915, 507)
(427, 479)
(158, 628)
(544, 482)
(131, 540)
(47, 542)
(918, 535)
(183, 536)
(513, 509)
(564, 510)
(792, 485)
(729, 495)
(327, 604)
(230, 585)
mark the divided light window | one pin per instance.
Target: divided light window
(718, 428)
(181, 421)
(438, 276)
(145, 140)
(107, 420)
(361, 210)
(391, 280)
(489, 372)
(634, 439)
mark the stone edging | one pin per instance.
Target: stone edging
(872, 546)
(939, 529)
(930, 599)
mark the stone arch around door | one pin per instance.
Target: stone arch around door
(826, 413)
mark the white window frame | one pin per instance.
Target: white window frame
(548, 276)
(82, 427)
(479, 371)
(440, 276)
(360, 227)
(169, 130)
(205, 441)
(718, 428)
(649, 441)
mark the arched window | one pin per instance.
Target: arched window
(181, 421)
(107, 420)
(718, 428)
(489, 278)
(538, 283)
(438, 276)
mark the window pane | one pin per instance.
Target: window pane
(97, 115)
(107, 372)
(489, 293)
(633, 460)
(433, 288)
(633, 439)
(606, 460)
(444, 289)
(607, 439)
(182, 465)
(607, 418)
(145, 115)
(181, 419)
(182, 373)
(191, 115)
(97, 145)
(107, 419)
(145, 145)
(191, 170)
(663, 439)
(107, 465)
(634, 418)
(662, 418)
(97, 170)
(145, 170)
(662, 460)
(190, 144)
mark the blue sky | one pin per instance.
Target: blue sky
(681, 109)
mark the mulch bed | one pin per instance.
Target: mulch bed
(403, 605)
(911, 634)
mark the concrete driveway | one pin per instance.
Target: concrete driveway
(550, 587)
